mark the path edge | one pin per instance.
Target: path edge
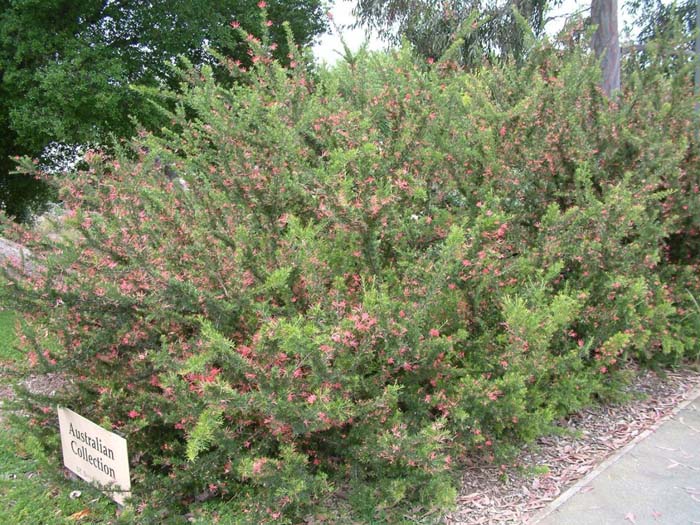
(690, 396)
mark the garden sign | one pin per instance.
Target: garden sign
(95, 454)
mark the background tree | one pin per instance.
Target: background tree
(66, 66)
(431, 26)
(674, 22)
(655, 18)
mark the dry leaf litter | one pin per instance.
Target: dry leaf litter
(490, 496)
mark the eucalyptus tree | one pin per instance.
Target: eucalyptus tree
(495, 28)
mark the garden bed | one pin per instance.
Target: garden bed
(546, 468)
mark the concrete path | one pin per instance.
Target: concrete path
(653, 481)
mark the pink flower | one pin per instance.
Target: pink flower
(258, 465)
(235, 24)
(262, 4)
(434, 332)
(134, 414)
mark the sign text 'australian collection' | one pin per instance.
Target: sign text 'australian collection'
(95, 454)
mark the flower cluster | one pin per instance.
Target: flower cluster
(362, 278)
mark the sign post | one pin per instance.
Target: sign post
(95, 454)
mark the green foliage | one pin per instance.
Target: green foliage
(202, 434)
(354, 283)
(67, 70)
(67, 67)
(655, 19)
(474, 30)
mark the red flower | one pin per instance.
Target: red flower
(262, 4)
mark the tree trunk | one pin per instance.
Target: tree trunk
(606, 42)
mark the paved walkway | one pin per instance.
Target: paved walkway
(653, 481)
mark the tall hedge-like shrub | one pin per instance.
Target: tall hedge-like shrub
(350, 282)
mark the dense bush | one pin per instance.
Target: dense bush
(351, 282)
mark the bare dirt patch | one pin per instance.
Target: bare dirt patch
(38, 384)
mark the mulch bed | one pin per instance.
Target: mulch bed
(488, 497)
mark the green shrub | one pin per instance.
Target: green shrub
(351, 282)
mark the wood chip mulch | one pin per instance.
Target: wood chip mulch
(490, 496)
